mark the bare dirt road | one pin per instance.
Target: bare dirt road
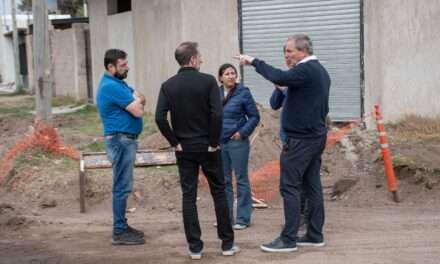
(386, 234)
(40, 220)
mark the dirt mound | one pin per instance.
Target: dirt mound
(265, 141)
(12, 130)
(265, 151)
(154, 141)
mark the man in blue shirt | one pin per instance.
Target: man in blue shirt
(121, 109)
(304, 122)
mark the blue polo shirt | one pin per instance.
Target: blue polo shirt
(112, 98)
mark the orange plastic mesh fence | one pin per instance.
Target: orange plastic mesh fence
(265, 180)
(44, 136)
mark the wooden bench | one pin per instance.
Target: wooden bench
(98, 160)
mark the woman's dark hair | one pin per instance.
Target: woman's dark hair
(223, 68)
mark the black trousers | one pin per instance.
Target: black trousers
(189, 164)
(300, 168)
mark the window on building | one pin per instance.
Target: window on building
(118, 6)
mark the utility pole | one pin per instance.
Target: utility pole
(18, 84)
(42, 65)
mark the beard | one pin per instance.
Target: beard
(121, 76)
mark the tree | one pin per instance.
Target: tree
(72, 7)
(42, 76)
(25, 6)
(75, 8)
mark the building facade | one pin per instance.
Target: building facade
(376, 51)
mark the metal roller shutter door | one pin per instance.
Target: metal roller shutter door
(333, 25)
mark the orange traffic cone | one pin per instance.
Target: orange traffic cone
(388, 163)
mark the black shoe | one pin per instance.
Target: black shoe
(278, 246)
(127, 238)
(306, 242)
(135, 231)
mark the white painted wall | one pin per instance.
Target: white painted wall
(7, 68)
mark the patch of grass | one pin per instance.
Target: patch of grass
(85, 112)
(16, 93)
(89, 123)
(414, 128)
(88, 128)
(36, 157)
(15, 112)
(22, 108)
(17, 108)
(149, 125)
(65, 100)
(95, 146)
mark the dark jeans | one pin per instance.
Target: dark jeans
(210, 162)
(300, 168)
(121, 152)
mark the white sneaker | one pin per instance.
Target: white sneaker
(239, 227)
(195, 255)
(231, 252)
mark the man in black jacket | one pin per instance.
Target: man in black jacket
(193, 100)
(304, 115)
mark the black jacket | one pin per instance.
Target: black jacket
(193, 100)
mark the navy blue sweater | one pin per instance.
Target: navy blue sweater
(306, 106)
(240, 113)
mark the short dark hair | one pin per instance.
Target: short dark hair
(185, 51)
(112, 56)
(223, 68)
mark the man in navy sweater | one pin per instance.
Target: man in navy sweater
(304, 115)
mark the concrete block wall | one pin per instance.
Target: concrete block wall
(69, 61)
(7, 68)
(402, 69)
(30, 62)
(151, 32)
(160, 26)
(98, 38)
(68, 56)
